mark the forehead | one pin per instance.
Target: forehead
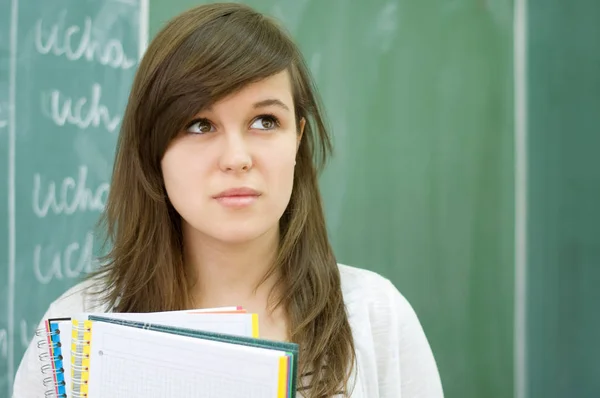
(277, 86)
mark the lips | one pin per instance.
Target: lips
(236, 192)
(237, 197)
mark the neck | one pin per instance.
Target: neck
(227, 274)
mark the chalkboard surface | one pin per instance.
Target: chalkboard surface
(563, 283)
(65, 71)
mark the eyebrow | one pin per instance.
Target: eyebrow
(271, 102)
(262, 104)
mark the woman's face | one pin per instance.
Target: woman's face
(230, 173)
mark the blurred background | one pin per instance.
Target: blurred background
(466, 167)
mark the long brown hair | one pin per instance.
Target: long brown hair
(199, 57)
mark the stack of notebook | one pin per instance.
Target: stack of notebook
(195, 354)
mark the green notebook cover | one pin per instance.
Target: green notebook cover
(290, 348)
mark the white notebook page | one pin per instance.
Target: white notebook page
(235, 324)
(136, 363)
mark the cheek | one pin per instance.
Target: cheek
(279, 167)
(181, 175)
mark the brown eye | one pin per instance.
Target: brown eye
(200, 126)
(265, 122)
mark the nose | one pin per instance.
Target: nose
(235, 155)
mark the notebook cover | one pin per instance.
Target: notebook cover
(56, 351)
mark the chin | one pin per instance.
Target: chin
(238, 234)
(236, 237)
(230, 230)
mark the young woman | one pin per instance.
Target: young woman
(214, 202)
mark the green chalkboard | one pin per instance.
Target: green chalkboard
(65, 71)
(419, 97)
(563, 273)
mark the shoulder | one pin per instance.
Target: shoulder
(372, 299)
(82, 297)
(370, 288)
(354, 278)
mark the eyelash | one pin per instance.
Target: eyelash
(264, 116)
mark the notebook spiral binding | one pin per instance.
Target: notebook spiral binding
(51, 360)
(80, 358)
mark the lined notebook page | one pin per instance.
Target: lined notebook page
(231, 320)
(138, 363)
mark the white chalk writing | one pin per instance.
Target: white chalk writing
(80, 112)
(26, 333)
(110, 53)
(3, 343)
(81, 199)
(62, 264)
(3, 114)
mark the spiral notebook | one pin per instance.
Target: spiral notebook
(123, 358)
(55, 356)
(55, 337)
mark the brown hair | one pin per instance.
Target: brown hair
(199, 57)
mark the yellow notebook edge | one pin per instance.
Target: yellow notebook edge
(282, 387)
(255, 325)
(80, 356)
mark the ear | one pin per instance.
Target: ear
(300, 132)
